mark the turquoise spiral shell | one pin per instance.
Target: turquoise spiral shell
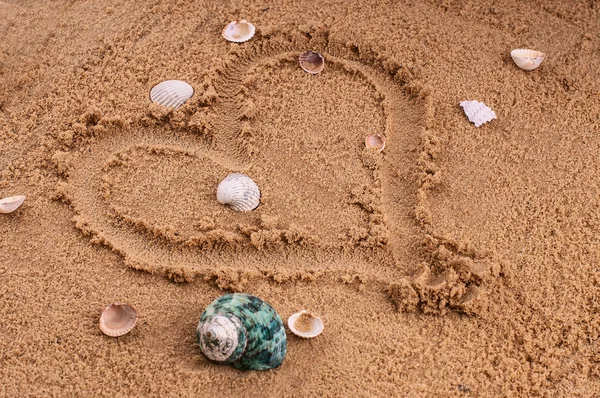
(261, 342)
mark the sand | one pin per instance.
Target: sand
(460, 261)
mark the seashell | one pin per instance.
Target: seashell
(239, 31)
(305, 324)
(478, 112)
(375, 142)
(527, 59)
(10, 204)
(312, 62)
(238, 191)
(117, 319)
(171, 93)
(242, 330)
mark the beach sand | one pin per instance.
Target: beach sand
(460, 261)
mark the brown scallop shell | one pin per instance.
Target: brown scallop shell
(312, 62)
(117, 319)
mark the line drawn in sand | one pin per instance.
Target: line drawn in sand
(374, 217)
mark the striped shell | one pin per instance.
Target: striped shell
(478, 112)
(243, 330)
(527, 59)
(239, 31)
(305, 324)
(10, 204)
(171, 93)
(117, 319)
(238, 191)
(312, 62)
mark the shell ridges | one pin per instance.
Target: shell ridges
(171, 93)
(238, 191)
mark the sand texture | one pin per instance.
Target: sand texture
(460, 261)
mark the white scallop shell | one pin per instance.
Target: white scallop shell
(117, 319)
(239, 192)
(171, 93)
(478, 112)
(10, 204)
(316, 325)
(239, 31)
(527, 59)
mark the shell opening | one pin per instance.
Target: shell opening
(305, 324)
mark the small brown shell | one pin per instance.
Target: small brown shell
(375, 142)
(312, 62)
(117, 319)
(239, 31)
(305, 324)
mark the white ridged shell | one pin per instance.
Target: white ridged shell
(10, 204)
(478, 112)
(171, 93)
(239, 192)
(527, 59)
(311, 62)
(239, 31)
(117, 319)
(316, 325)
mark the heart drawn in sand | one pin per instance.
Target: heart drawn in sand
(328, 204)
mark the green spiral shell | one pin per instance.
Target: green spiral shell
(243, 330)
